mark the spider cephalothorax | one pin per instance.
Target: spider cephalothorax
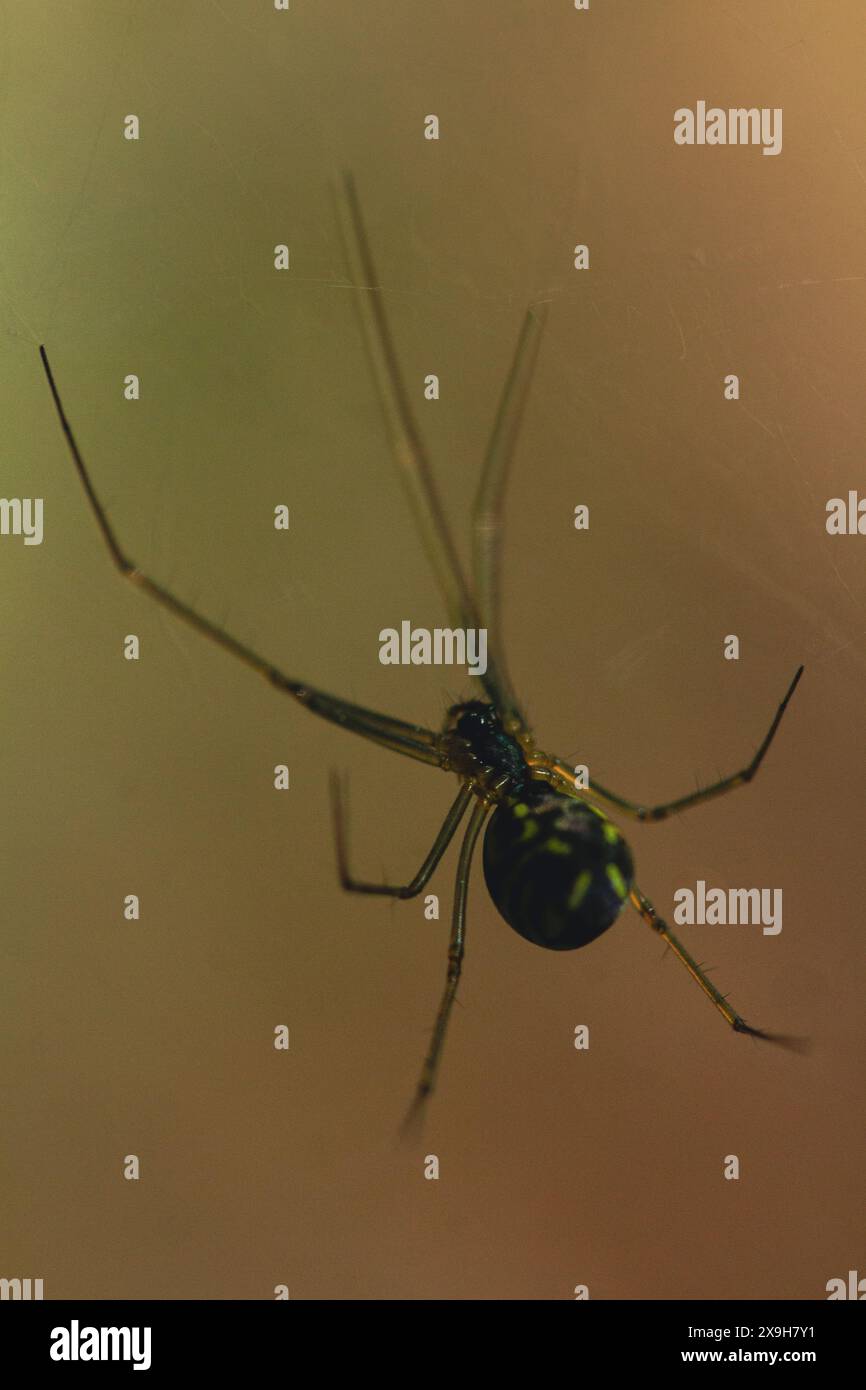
(480, 748)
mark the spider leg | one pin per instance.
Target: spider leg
(644, 907)
(489, 500)
(396, 734)
(415, 884)
(561, 774)
(407, 448)
(456, 950)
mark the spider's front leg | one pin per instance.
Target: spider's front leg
(397, 734)
(559, 773)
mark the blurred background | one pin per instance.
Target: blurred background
(707, 518)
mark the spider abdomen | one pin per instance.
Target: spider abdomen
(557, 869)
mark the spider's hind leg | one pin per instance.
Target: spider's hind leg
(646, 910)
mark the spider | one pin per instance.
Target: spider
(557, 868)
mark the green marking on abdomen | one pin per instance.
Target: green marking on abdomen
(616, 880)
(579, 889)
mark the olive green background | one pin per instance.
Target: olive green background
(558, 1167)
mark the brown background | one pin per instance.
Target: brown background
(707, 518)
